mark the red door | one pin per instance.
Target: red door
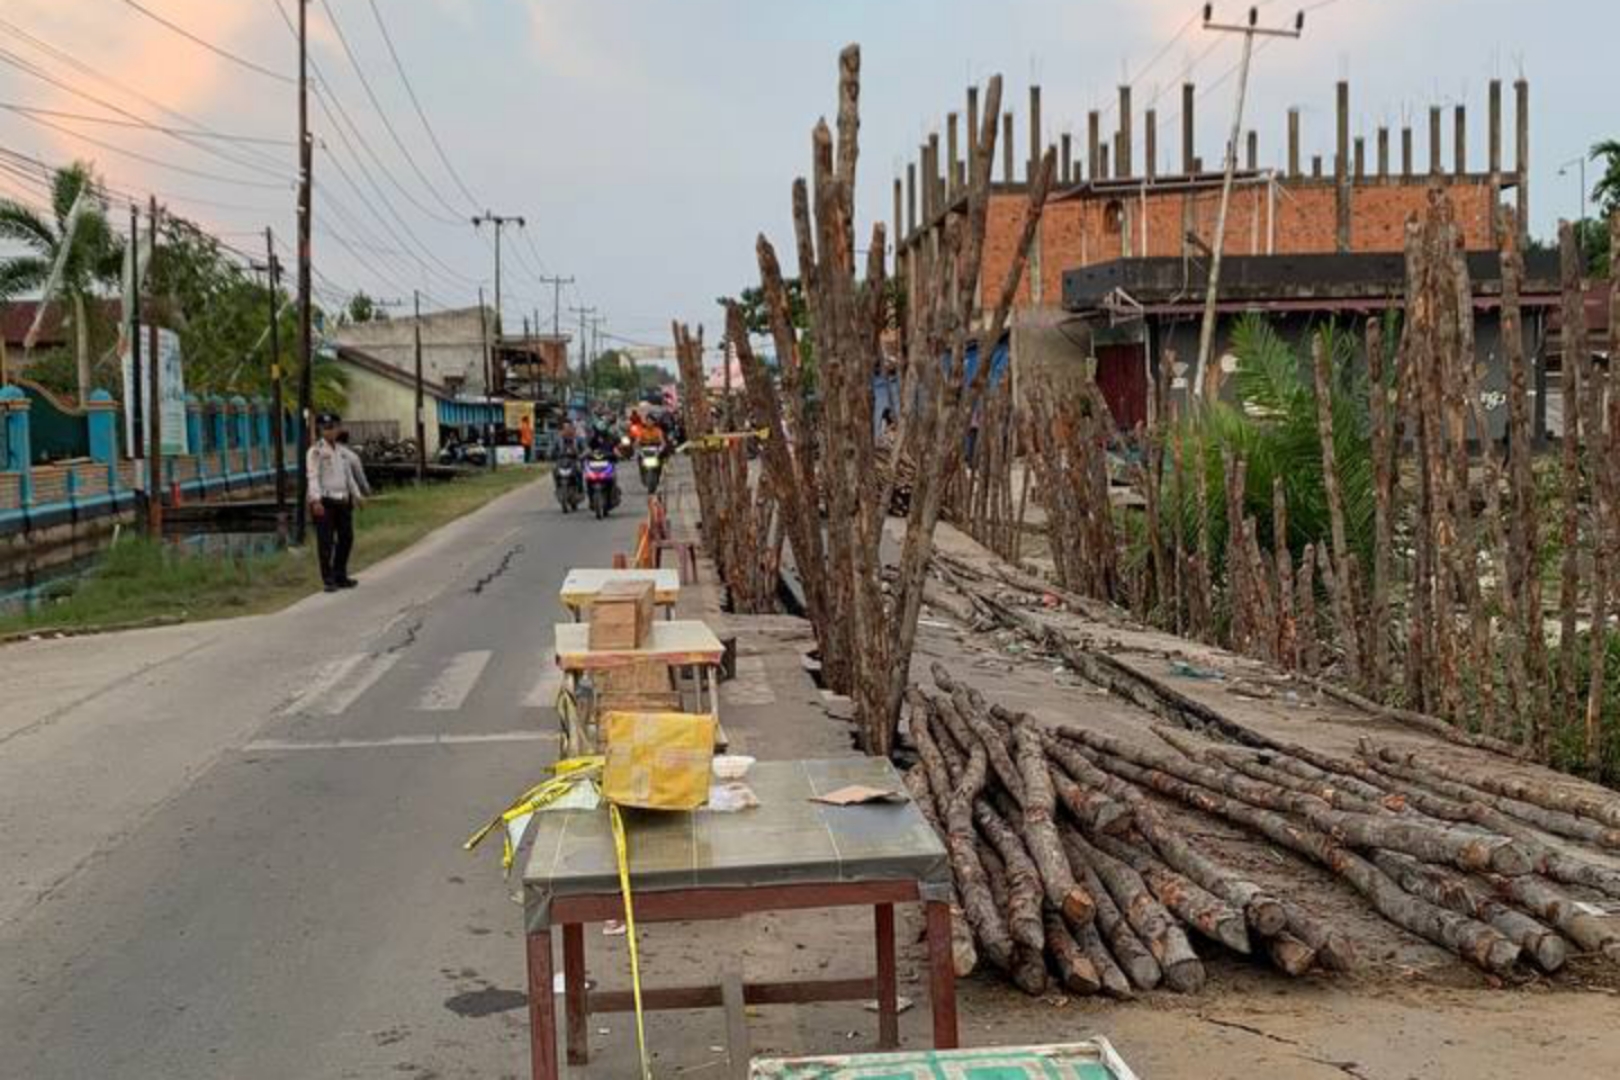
(1122, 378)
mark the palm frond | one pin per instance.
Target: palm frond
(22, 274)
(27, 226)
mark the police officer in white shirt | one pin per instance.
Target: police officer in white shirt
(331, 496)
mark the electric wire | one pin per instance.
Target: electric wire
(210, 46)
(382, 113)
(421, 114)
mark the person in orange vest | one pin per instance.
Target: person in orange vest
(526, 436)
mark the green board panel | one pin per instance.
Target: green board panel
(1093, 1059)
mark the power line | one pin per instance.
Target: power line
(210, 46)
(324, 91)
(30, 67)
(157, 162)
(382, 114)
(421, 114)
(142, 125)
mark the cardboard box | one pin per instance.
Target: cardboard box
(621, 615)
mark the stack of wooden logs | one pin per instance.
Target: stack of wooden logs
(1064, 868)
(1069, 869)
(739, 520)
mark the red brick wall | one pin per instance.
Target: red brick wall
(1299, 219)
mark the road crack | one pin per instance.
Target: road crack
(1349, 1068)
(505, 564)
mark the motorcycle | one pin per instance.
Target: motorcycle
(651, 465)
(601, 485)
(570, 488)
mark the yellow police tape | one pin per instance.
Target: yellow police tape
(567, 774)
(621, 850)
(719, 439)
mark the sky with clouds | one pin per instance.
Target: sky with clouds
(646, 142)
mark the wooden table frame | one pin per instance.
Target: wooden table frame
(692, 904)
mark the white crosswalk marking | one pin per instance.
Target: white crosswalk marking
(326, 676)
(278, 746)
(455, 682)
(348, 691)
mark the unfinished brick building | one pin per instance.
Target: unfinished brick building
(1110, 203)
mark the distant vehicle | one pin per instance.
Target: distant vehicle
(651, 462)
(601, 483)
(569, 484)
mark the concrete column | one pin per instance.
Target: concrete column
(1521, 157)
(1293, 141)
(19, 449)
(1035, 140)
(1383, 152)
(219, 424)
(261, 421)
(1094, 145)
(972, 125)
(1150, 144)
(1493, 128)
(243, 423)
(101, 423)
(1434, 140)
(1123, 159)
(1406, 150)
(1251, 150)
(953, 172)
(194, 427)
(1102, 163)
(1188, 165)
(1459, 140)
(1066, 158)
(899, 229)
(1316, 166)
(1361, 158)
(1341, 168)
(1493, 154)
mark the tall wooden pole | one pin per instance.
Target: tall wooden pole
(278, 417)
(421, 420)
(306, 351)
(154, 429)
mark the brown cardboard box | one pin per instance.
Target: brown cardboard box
(621, 616)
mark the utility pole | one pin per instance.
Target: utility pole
(154, 396)
(306, 351)
(137, 448)
(556, 284)
(1206, 335)
(278, 419)
(584, 363)
(421, 421)
(499, 221)
(483, 333)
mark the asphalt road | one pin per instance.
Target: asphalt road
(234, 849)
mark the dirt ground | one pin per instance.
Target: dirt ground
(1413, 1012)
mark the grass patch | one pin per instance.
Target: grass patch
(140, 581)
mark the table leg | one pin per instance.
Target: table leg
(542, 1007)
(887, 983)
(579, 1043)
(941, 975)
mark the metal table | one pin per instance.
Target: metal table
(677, 644)
(786, 854)
(580, 587)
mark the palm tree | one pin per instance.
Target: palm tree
(77, 238)
(1606, 192)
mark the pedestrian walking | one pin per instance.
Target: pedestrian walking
(526, 437)
(331, 496)
(357, 468)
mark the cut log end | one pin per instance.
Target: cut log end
(1265, 916)
(1290, 955)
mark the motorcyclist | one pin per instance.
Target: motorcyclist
(602, 439)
